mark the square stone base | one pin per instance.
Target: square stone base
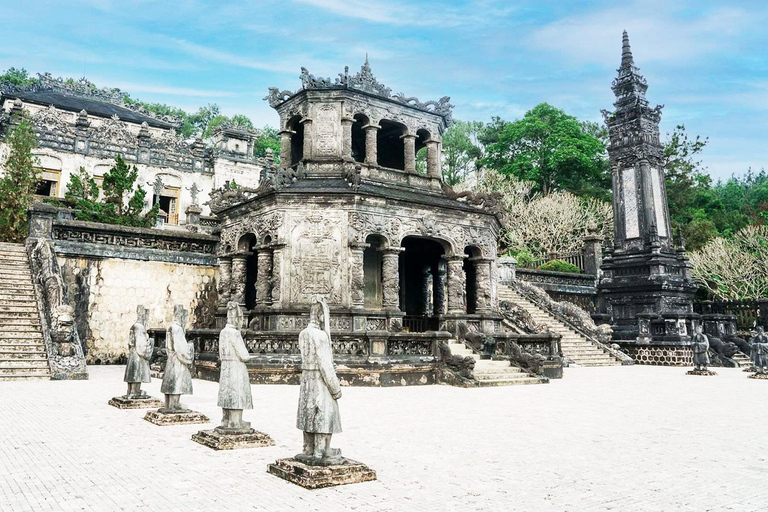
(759, 376)
(317, 477)
(122, 402)
(175, 418)
(749, 369)
(221, 441)
(700, 372)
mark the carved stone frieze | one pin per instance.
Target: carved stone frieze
(53, 120)
(316, 259)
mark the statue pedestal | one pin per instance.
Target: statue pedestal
(222, 440)
(701, 372)
(750, 369)
(317, 477)
(759, 376)
(164, 418)
(145, 402)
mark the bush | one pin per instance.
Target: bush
(524, 258)
(560, 266)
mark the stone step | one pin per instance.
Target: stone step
(26, 376)
(11, 366)
(27, 342)
(17, 288)
(9, 351)
(500, 375)
(512, 382)
(19, 316)
(18, 301)
(4, 308)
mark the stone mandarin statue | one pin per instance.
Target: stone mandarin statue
(140, 348)
(234, 384)
(759, 350)
(318, 414)
(177, 379)
(700, 346)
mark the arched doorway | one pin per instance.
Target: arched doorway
(422, 283)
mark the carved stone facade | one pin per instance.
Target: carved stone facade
(645, 288)
(348, 217)
(78, 125)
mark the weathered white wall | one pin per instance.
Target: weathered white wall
(107, 291)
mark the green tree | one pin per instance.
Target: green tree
(122, 204)
(20, 178)
(461, 151)
(268, 138)
(18, 77)
(550, 149)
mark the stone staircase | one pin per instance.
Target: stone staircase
(742, 360)
(495, 373)
(576, 347)
(22, 348)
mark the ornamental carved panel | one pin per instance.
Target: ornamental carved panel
(316, 258)
(327, 130)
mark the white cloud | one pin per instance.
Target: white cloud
(656, 32)
(389, 12)
(170, 90)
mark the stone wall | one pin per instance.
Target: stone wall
(105, 293)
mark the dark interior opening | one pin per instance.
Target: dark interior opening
(358, 138)
(422, 285)
(297, 139)
(372, 272)
(390, 148)
(470, 272)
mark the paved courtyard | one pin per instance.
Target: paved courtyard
(623, 439)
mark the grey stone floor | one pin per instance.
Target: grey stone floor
(616, 438)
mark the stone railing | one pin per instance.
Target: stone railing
(62, 342)
(79, 238)
(573, 316)
(748, 312)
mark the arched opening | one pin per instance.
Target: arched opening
(372, 272)
(470, 271)
(297, 139)
(422, 136)
(246, 245)
(390, 148)
(358, 138)
(422, 283)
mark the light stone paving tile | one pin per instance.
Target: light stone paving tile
(616, 438)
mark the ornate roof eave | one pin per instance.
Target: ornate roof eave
(83, 88)
(363, 82)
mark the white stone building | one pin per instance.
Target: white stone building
(78, 125)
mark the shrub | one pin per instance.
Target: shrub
(560, 266)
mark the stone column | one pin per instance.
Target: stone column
(263, 273)
(275, 280)
(307, 149)
(433, 159)
(238, 278)
(225, 280)
(647, 204)
(285, 148)
(346, 132)
(438, 287)
(593, 254)
(370, 142)
(426, 274)
(357, 274)
(409, 143)
(482, 284)
(391, 278)
(456, 285)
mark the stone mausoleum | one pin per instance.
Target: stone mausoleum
(645, 288)
(348, 216)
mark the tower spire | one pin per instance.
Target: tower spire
(627, 61)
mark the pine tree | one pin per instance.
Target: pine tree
(20, 179)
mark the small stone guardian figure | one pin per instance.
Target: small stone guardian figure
(759, 353)
(700, 346)
(177, 380)
(140, 348)
(318, 414)
(234, 384)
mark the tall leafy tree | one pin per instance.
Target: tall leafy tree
(268, 138)
(550, 149)
(20, 178)
(461, 151)
(19, 77)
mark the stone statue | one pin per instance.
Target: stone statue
(700, 346)
(140, 348)
(177, 379)
(234, 385)
(759, 350)
(318, 413)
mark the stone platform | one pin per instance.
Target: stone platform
(701, 372)
(219, 440)
(148, 402)
(187, 417)
(317, 477)
(759, 376)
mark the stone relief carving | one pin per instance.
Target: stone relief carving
(115, 131)
(327, 129)
(52, 120)
(316, 258)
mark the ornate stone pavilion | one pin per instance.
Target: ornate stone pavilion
(645, 289)
(79, 125)
(348, 216)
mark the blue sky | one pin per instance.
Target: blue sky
(705, 60)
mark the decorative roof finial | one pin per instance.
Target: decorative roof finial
(366, 59)
(627, 61)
